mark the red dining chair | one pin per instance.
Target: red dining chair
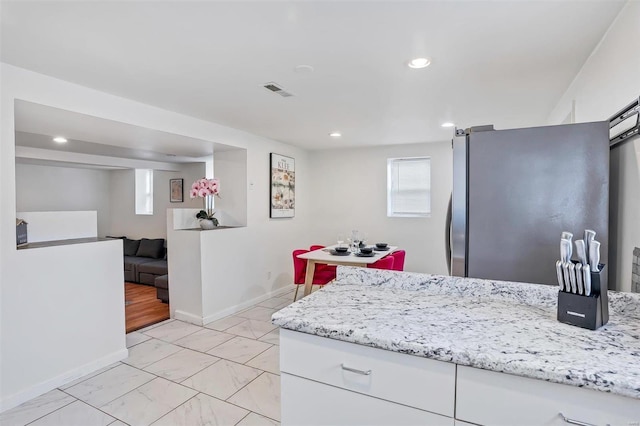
(300, 271)
(398, 260)
(323, 266)
(384, 263)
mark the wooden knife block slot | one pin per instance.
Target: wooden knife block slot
(591, 311)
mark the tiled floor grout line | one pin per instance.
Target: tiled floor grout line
(170, 411)
(116, 364)
(247, 415)
(101, 410)
(59, 408)
(263, 415)
(271, 345)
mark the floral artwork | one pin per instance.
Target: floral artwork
(283, 186)
(176, 193)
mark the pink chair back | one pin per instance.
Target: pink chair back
(384, 263)
(315, 247)
(398, 260)
(299, 266)
(321, 276)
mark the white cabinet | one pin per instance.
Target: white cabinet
(490, 398)
(405, 379)
(306, 403)
(330, 382)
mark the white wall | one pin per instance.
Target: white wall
(21, 337)
(231, 168)
(125, 222)
(60, 225)
(608, 81)
(349, 192)
(47, 188)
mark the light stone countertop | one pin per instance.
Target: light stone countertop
(500, 326)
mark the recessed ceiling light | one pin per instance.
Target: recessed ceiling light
(448, 124)
(303, 69)
(419, 63)
(60, 139)
(335, 134)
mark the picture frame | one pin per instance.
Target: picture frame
(282, 186)
(176, 190)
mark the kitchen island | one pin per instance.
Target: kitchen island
(400, 348)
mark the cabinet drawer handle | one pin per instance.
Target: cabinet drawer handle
(353, 370)
(574, 422)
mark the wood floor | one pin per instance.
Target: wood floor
(142, 308)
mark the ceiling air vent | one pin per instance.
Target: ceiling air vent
(275, 88)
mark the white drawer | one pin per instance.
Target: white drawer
(491, 398)
(305, 402)
(405, 379)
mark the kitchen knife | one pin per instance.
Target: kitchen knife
(566, 250)
(565, 276)
(586, 275)
(566, 236)
(589, 236)
(559, 274)
(579, 279)
(581, 251)
(594, 255)
(572, 277)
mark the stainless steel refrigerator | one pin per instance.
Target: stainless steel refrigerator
(514, 193)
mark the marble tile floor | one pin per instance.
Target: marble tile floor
(226, 373)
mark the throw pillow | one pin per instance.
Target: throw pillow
(131, 247)
(151, 248)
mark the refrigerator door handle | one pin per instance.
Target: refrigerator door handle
(447, 235)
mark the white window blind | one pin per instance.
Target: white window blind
(409, 186)
(144, 191)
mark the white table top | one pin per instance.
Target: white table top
(324, 256)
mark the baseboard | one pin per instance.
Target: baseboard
(187, 317)
(198, 320)
(48, 385)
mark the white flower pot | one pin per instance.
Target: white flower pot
(206, 224)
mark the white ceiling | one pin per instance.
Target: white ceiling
(36, 125)
(500, 62)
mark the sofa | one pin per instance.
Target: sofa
(145, 261)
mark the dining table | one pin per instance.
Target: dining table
(324, 255)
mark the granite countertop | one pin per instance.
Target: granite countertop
(500, 326)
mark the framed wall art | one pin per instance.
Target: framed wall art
(176, 190)
(283, 186)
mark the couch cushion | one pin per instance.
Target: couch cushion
(156, 267)
(130, 261)
(131, 247)
(162, 281)
(151, 248)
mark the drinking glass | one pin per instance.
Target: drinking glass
(340, 240)
(355, 238)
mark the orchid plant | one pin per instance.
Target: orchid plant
(207, 189)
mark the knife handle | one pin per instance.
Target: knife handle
(581, 251)
(559, 274)
(594, 255)
(589, 236)
(586, 275)
(572, 277)
(567, 280)
(579, 281)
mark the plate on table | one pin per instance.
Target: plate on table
(365, 254)
(340, 253)
(382, 249)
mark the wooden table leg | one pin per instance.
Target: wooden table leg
(308, 280)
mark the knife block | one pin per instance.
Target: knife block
(591, 311)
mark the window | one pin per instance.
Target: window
(409, 187)
(144, 191)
